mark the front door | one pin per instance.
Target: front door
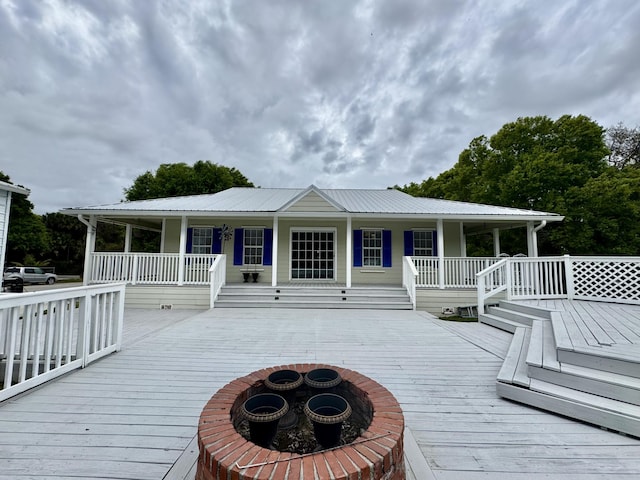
(313, 255)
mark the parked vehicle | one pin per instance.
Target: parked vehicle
(29, 275)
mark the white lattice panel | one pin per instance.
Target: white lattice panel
(607, 279)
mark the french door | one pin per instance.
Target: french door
(313, 255)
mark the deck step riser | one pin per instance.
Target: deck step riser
(263, 296)
(308, 305)
(605, 418)
(303, 298)
(498, 322)
(526, 309)
(631, 369)
(588, 385)
(513, 315)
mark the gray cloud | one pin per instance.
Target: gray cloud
(367, 93)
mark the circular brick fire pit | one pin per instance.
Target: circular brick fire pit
(225, 454)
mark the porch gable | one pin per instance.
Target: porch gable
(312, 200)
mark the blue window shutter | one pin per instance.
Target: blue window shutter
(267, 249)
(189, 240)
(238, 246)
(386, 248)
(216, 244)
(435, 242)
(357, 248)
(408, 243)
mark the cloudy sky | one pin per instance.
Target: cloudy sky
(338, 93)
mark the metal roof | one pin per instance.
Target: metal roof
(244, 200)
(9, 187)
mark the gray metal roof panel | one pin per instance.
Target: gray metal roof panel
(357, 201)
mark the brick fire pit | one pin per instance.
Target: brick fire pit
(376, 455)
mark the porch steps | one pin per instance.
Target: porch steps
(507, 318)
(535, 372)
(377, 298)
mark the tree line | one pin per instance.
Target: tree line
(58, 240)
(571, 166)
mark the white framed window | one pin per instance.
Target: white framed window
(371, 248)
(253, 246)
(423, 243)
(202, 240)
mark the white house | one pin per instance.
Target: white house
(6, 189)
(343, 237)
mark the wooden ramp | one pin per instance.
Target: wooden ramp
(579, 359)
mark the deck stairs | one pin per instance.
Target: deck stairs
(545, 369)
(377, 298)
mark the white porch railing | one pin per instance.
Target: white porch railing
(459, 272)
(46, 334)
(218, 277)
(149, 268)
(409, 275)
(609, 279)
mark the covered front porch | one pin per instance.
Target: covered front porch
(312, 236)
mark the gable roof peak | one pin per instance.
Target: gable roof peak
(313, 189)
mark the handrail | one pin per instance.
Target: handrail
(409, 275)
(217, 277)
(498, 273)
(49, 333)
(149, 268)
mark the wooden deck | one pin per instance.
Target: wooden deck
(133, 415)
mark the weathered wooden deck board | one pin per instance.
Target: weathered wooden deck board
(131, 415)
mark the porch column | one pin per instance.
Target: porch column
(183, 249)
(496, 242)
(532, 240)
(274, 254)
(440, 228)
(127, 238)
(349, 253)
(162, 233)
(90, 247)
(463, 241)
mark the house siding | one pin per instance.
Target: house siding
(185, 297)
(393, 275)
(434, 300)
(172, 235)
(359, 275)
(312, 202)
(4, 222)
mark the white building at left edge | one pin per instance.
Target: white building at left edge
(6, 189)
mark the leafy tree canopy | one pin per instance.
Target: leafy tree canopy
(177, 179)
(560, 166)
(529, 163)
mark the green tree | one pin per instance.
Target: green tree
(177, 179)
(66, 242)
(27, 236)
(603, 216)
(172, 180)
(534, 163)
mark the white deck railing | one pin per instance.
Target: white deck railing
(218, 277)
(409, 276)
(46, 334)
(150, 268)
(608, 279)
(459, 272)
